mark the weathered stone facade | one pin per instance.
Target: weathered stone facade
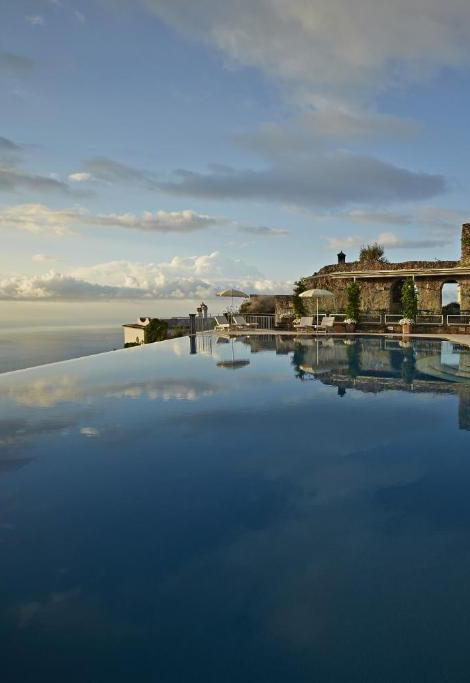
(380, 283)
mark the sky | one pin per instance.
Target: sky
(155, 151)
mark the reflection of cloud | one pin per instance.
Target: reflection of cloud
(44, 392)
(61, 388)
(166, 389)
(90, 431)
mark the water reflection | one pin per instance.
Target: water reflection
(262, 528)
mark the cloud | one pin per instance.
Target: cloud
(323, 46)
(332, 120)
(9, 151)
(192, 277)
(36, 20)
(79, 177)
(262, 231)
(389, 240)
(111, 171)
(13, 178)
(41, 258)
(17, 63)
(328, 180)
(54, 286)
(39, 218)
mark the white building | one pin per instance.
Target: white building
(134, 332)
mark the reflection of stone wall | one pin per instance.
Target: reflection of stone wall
(464, 407)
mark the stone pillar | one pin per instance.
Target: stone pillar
(465, 244)
(192, 323)
(464, 291)
(429, 294)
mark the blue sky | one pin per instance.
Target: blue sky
(153, 151)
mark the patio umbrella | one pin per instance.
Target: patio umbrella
(233, 293)
(316, 294)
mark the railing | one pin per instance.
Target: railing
(370, 318)
(204, 324)
(264, 322)
(429, 319)
(461, 319)
(393, 318)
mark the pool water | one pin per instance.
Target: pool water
(219, 510)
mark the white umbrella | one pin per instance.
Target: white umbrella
(316, 294)
(233, 293)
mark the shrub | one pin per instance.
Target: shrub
(409, 299)
(260, 305)
(299, 306)
(354, 301)
(156, 330)
(178, 332)
(372, 252)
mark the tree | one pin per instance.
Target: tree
(299, 306)
(409, 299)
(372, 252)
(156, 330)
(354, 301)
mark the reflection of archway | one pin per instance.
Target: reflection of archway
(395, 296)
(450, 297)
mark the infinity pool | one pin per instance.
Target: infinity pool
(249, 510)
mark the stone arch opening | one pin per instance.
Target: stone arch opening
(395, 296)
(450, 297)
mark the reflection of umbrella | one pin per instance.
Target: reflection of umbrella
(233, 364)
(316, 294)
(233, 293)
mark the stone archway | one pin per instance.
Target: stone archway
(450, 297)
(395, 295)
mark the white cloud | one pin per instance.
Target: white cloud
(388, 240)
(181, 278)
(79, 177)
(329, 45)
(263, 231)
(36, 20)
(41, 258)
(40, 218)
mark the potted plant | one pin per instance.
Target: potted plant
(350, 324)
(405, 325)
(409, 304)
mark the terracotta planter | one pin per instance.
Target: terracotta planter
(406, 329)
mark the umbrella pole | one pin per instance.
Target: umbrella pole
(317, 314)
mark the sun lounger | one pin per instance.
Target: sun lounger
(326, 324)
(221, 323)
(240, 321)
(305, 323)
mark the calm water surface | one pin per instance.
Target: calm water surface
(25, 348)
(260, 510)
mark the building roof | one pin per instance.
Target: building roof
(135, 326)
(397, 272)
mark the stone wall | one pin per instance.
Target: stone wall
(465, 244)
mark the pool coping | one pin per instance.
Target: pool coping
(463, 339)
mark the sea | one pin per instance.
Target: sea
(22, 347)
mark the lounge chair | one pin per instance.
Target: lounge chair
(305, 323)
(326, 324)
(239, 321)
(221, 323)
